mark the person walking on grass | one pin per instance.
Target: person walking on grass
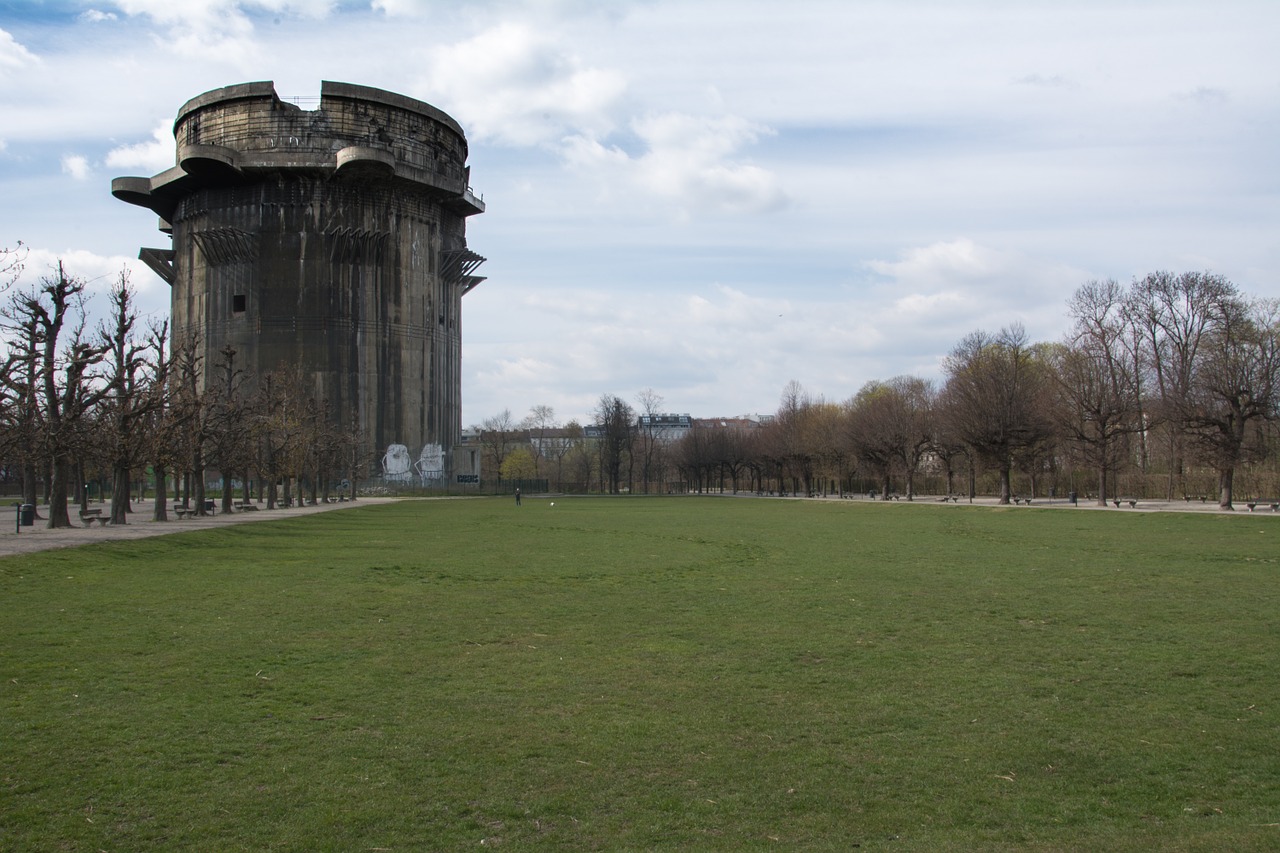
(517, 496)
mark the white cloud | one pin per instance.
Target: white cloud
(218, 30)
(1051, 81)
(515, 86)
(687, 159)
(152, 156)
(94, 16)
(76, 166)
(13, 55)
(1205, 96)
(943, 263)
(100, 273)
(401, 8)
(190, 12)
(961, 285)
(691, 158)
(712, 352)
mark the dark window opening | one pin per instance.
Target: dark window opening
(237, 303)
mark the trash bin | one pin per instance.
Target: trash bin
(27, 515)
(1072, 497)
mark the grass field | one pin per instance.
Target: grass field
(639, 674)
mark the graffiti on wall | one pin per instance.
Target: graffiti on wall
(430, 464)
(398, 466)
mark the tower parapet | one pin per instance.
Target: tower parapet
(332, 241)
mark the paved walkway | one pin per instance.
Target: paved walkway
(1241, 506)
(140, 526)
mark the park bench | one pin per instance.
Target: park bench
(182, 511)
(1275, 505)
(247, 507)
(1132, 502)
(1017, 500)
(89, 516)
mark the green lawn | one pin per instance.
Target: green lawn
(639, 674)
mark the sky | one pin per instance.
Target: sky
(705, 199)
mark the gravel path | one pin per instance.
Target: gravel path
(140, 526)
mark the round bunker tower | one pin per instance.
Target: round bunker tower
(332, 241)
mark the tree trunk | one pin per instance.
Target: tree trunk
(160, 512)
(58, 516)
(197, 484)
(120, 486)
(1225, 480)
(1006, 489)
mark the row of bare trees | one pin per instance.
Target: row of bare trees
(1171, 373)
(110, 403)
(1156, 382)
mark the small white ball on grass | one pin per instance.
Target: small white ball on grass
(553, 503)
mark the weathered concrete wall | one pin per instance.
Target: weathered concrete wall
(330, 239)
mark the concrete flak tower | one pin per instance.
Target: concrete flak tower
(332, 240)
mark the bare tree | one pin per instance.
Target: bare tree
(870, 433)
(648, 439)
(497, 437)
(275, 418)
(539, 422)
(1175, 314)
(230, 446)
(788, 448)
(555, 442)
(616, 420)
(1097, 381)
(63, 389)
(163, 425)
(12, 261)
(1235, 385)
(578, 455)
(132, 393)
(193, 410)
(695, 458)
(995, 397)
(890, 426)
(20, 386)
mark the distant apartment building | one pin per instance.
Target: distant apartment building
(740, 423)
(666, 428)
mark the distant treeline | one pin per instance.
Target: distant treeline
(1165, 388)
